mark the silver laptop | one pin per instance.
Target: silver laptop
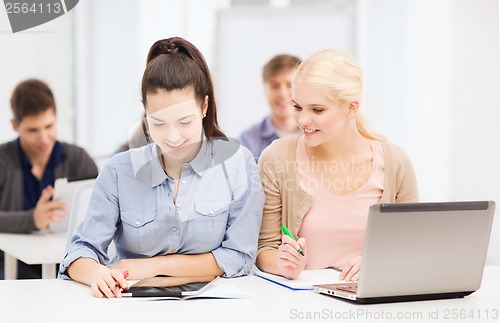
(420, 251)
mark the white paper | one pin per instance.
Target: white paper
(306, 280)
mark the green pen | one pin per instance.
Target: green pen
(285, 231)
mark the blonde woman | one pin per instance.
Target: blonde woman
(321, 183)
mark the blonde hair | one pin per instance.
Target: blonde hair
(337, 76)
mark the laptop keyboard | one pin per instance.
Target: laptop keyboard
(352, 288)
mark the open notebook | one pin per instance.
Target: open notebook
(181, 288)
(305, 281)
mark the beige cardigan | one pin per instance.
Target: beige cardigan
(286, 203)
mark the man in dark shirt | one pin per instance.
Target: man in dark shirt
(30, 164)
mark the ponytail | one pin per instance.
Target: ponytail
(176, 64)
(364, 131)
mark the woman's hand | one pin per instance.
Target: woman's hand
(107, 283)
(289, 260)
(139, 268)
(350, 271)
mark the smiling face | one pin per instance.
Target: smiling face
(37, 134)
(278, 94)
(321, 119)
(175, 123)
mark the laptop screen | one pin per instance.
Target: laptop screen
(425, 248)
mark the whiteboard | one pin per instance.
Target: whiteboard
(248, 37)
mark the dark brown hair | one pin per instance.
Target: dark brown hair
(30, 98)
(176, 64)
(279, 63)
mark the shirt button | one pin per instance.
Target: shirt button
(174, 229)
(183, 181)
(212, 212)
(137, 222)
(174, 250)
(179, 205)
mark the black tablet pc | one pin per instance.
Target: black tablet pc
(167, 286)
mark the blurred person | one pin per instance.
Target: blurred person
(277, 77)
(30, 164)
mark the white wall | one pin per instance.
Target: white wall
(405, 51)
(432, 72)
(44, 52)
(248, 37)
(475, 96)
(108, 73)
(113, 39)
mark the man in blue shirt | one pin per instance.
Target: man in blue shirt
(30, 164)
(277, 76)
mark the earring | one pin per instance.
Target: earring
(204, 115)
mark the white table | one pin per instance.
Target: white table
(41, 247)
(62, 301)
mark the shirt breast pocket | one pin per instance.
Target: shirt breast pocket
(139, 230)
(210, 225)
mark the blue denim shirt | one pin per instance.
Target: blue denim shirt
(218, 209)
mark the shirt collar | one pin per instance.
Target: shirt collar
(158, 175)
(203, 159)
(268, 129)
(56, 156)
(22, 156)
(201, 162)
